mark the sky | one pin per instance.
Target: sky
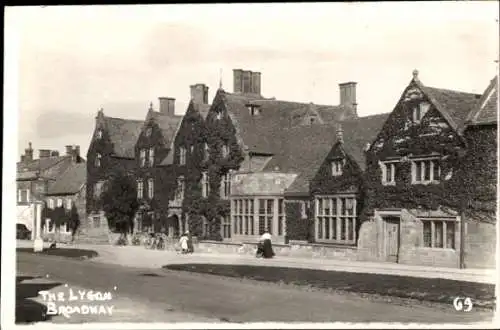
(65, 63)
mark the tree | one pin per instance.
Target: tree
(119, 202)
(74, 221)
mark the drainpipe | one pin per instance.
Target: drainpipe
(463, 206)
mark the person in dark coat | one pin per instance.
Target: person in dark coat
(190, 242)
(266, 245)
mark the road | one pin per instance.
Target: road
(231, 300)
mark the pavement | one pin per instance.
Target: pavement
(159, 295)
(139, 256)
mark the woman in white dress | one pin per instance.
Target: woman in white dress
(183, 242)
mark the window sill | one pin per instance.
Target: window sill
(425, 183)
(324, 242)
(388, 183)
(437, 249)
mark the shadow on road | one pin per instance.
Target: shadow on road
(27, 310)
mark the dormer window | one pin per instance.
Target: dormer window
(151, 156)
(142, 157)
(253, 109)
(337, 165)
(206, 151)
(98, 160)
(99, 134)
(225, 151)
(182, 156)
(149, 131)
(311, 120)
(419, 111)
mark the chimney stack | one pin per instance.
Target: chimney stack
(167, 105)
(348, 95)
(199, 93)
(28, 153)
(238, 81)
(69, 150)
(246, 81)
(43, 153)
(256, 83)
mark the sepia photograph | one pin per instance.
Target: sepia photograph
(256, 165)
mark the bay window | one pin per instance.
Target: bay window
(335, 219)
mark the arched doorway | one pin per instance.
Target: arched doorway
(173, 225)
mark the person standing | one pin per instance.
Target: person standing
(190, 242)
(267, 247)
(183, 242)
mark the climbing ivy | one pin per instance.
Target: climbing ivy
(193, 135)
(401, 138)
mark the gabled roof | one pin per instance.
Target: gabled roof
(308, 146)
(69, 182)
(453, 105)
(41, 164)
(260, 133)
(46, 167)
(168, 126)
(487, 109)
(123, 134)
(202, 109)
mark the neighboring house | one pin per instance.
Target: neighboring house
(481, 179)
(65, 195)
(152, 147)
(414, 179)
(34, 176)
(112, 149)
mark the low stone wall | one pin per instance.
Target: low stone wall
(294, 248)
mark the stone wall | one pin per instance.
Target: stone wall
(480, 245)
(294, 249)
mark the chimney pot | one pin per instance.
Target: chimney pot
(247, 82)
(237, 81)
(256, 83)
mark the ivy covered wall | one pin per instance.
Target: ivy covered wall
(401, 138)
(193, 134)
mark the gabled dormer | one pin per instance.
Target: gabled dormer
(423, 131)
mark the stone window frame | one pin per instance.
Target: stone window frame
(346, 220)
(205, 184)
(142, 157)
(337, 166)
(20, 196)
(151, 188)
(420, 163)
(151, 156)
(281, 217)
(140, 189)
(69, 203)
(50, 203)
(225, 186)
(432, 222)
(179, 191)
(388, 167)
(419, 111)
(97, 161)
(182, 156)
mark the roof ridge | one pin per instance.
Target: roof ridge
(124, 119)
(450, 90)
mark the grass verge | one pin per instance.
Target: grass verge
(424, 289)
(62, 252)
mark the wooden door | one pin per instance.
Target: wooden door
(392, 238)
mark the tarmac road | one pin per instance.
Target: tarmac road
(232, 300)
